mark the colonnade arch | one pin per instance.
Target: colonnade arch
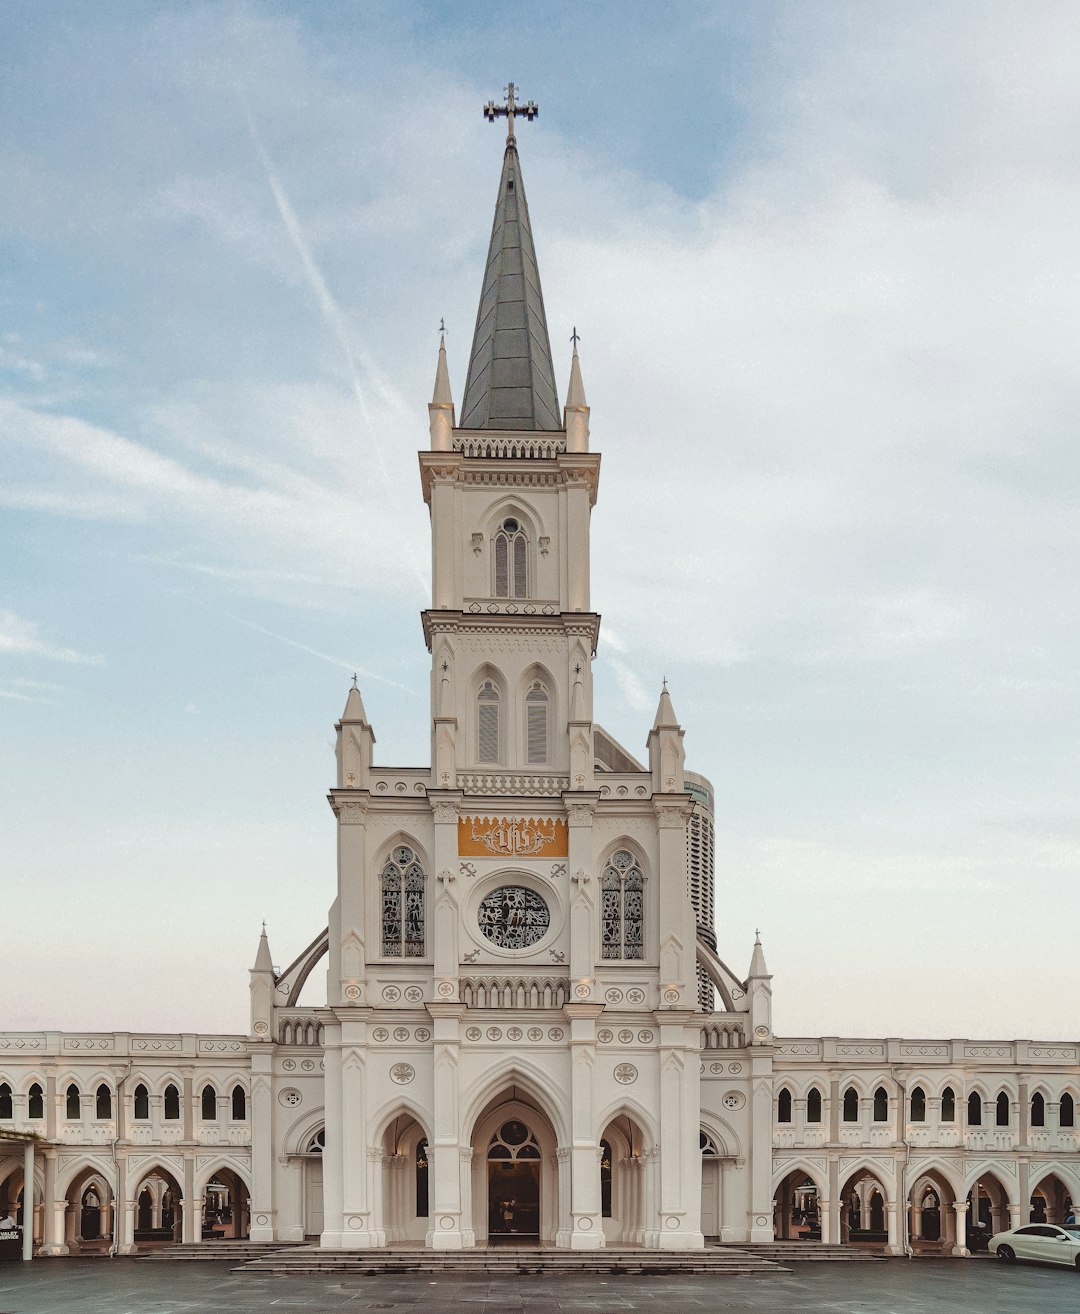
(864, 1207)
(1052, 1199)
(798, 1196)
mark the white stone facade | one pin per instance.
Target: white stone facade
(519, 963)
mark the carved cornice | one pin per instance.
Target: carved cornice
(349, 811)
(523, 624)
(672, 810)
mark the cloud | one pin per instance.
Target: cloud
(21, 637)
(340, 662)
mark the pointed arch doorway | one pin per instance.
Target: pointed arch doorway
(513, 1174)
(515, 1179)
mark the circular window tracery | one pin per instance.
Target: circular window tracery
(513, 1140)
(513, 917)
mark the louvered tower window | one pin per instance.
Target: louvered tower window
(511, 561)
(536, 723)
(403, 905)
(622, 907)
(487, 723)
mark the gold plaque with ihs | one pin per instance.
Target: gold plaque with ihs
(512, 837)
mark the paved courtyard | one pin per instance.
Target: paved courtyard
(126, 1286)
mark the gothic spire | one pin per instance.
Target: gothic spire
(511, 382)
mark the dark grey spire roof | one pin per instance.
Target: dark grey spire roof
(511, 384)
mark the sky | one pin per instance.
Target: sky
(823, 262)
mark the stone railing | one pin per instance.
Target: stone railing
(722, 1035)
(515, 991)
(300, 1029)
(491, 442)
(483, 782)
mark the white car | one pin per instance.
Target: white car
(1050, 1243)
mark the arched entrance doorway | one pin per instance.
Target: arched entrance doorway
(513, 1173)
(622, 1181)
(89, 1214)
(931, 1215)
(863, 1216)
(158, 1212)
(515, 1181)
(796, 1208)
(406, 1158)
(988, 1211)
(225, 1206)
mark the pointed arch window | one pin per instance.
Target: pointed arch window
(1002, 1110)
(1067, 1111)
(783, 1105)
(172, 1103)
(103, 1102)
(813, 1105)
(487, 723)
(423, 1160)
(142, 1103)
(536, 723)
(35, 1104)
(1038, 1110)
(511, 561)
(851, 1105)
(7, 1109)
(622, 907)
(239, 1104)
(605, 1179)
(403, 884)
(948, 1105)
(974, 1109)
(918, 1105)
(209, 1103)
(881, 1105)
(72, 1102)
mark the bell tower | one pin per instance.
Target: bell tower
(510, 628)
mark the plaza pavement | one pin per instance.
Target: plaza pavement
(898, 1286)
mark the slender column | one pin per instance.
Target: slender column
(449, 1228)
(892, 1215)
(333, 1183)
(28, 1201)
(468, 1230)
(186, 1111)
(262, 1144)
(588, 1226)
(1023, 1189)
(52, 1230)
(584, 895)
(446, 952)
(960, 1208)
(189, 1220)
(124, 1214)
(825, 1218)
(1024, 1114)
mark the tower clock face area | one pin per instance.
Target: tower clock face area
(513, 917)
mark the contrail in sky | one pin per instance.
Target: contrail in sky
(331, 311)
(314, 652)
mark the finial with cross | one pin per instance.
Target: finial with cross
(665, 684)
(575, 338)
(442, 327)
(354, 684)
(510, 110)
(757, 936)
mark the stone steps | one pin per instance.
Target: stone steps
(813, 1252)
(727, 1261)
(237, 1251)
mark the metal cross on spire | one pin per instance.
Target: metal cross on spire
(510, 110)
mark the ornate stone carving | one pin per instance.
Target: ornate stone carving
(352, 813)
(625, 1074)
(402, 1073)
(580, 814)
(444, 811)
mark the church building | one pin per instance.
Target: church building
(528, 1033)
